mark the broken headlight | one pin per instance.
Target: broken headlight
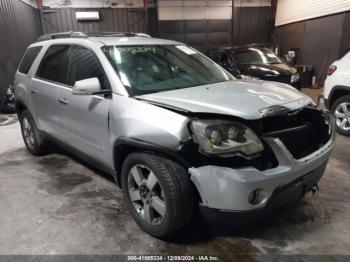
(218, 137)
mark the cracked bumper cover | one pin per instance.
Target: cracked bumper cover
(227, 189)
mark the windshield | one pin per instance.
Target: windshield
(256, 56)
(151, 69)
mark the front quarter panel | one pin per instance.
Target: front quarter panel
(137, 119)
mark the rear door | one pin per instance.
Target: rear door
(84, 118)
(49, 77)
(23, 83)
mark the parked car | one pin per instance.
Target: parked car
(255, 62)
(336, 93)
(175, 130)
(7, 102)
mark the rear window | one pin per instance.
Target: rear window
(256, 56)
(54, 64)
(28, 59)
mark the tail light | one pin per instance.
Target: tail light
(331, 70)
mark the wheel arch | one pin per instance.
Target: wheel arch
(124, 146)
(20, 106)
(337, 91)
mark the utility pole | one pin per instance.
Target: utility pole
(232, 25)
(40, 7)
(145, 4)
(39, 4)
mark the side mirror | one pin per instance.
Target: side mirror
(86, 87)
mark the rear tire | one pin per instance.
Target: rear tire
(341, 110)
(31, 135)
(158, 193)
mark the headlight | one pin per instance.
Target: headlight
(247, 77)
(218, 137)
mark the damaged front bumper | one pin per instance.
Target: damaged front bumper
(249, 189)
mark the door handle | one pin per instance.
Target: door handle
(63, 101)
(33, 91)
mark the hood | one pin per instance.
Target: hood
(267, 70)
(245, 99)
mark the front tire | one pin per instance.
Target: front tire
(31, 135)
(341, 110)
(158, 193)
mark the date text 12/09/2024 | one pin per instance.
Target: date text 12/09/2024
(173, 258)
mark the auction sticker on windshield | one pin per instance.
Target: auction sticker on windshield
(186, 50)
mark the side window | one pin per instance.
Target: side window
(214, 55)
(220, 57)
(54, 64)
(28, 59)
(84, 64)
(224, 59)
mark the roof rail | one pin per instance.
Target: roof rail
(111, 34)
(72, 34)
(251, 45)
(61, 35)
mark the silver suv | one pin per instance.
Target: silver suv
(176, 130)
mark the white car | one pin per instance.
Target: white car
(336, 94)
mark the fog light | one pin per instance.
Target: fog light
(257, 196)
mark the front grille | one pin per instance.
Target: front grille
(302, 132)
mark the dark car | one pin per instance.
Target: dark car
(255, 63)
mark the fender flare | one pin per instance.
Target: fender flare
(20, 106)
(335, 89)
(126, 145)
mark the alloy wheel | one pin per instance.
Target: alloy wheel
(342, 113)
(146, 194)
(28, 133)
